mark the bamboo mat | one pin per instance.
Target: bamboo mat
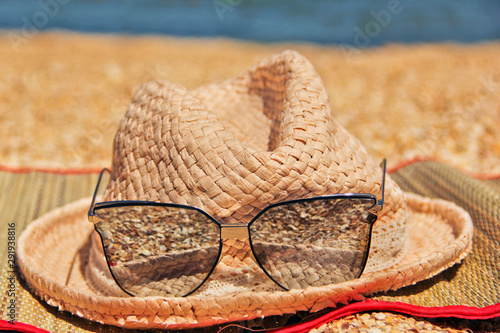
(476, 280)
(29, 195)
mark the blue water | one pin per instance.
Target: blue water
(362, 23)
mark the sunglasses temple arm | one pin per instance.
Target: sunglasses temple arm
(91, 210)
(383, 166)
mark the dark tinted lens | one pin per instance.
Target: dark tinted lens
(315, 242)
(158, 250)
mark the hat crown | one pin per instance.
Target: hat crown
(234, 147)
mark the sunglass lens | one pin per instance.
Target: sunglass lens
(313, 242)
(158, 250)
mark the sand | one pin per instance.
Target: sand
(62, 94)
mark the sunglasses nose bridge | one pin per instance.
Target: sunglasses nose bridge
(236, 230)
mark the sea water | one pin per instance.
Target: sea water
(362, 23)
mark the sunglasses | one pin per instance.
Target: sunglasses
(166, 249)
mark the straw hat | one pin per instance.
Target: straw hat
(231, 149)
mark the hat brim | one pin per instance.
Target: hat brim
(53, 252)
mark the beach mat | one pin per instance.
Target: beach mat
(469, 290)
(476, 281)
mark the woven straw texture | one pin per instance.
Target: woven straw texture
(33, 194)
(476, 281)
(231, 148)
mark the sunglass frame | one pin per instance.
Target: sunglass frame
(94, 218)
